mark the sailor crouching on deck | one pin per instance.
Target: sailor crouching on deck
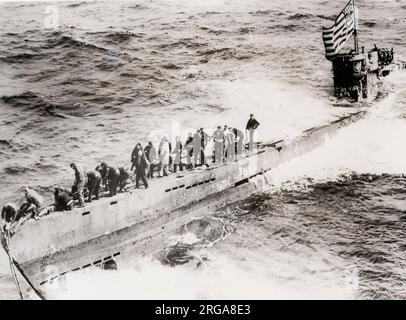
(8, 215)
(112, 177)
(80, 182)
(34, 203)
(93, 183)
(63, 200)
(123, 178)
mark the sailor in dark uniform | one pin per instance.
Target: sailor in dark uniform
(93, 183)
(9, 213)
(252, 125)
(112, 177)
(239, 141)
(204, 141)
(189, 151)
(134, 155)
(123, 178)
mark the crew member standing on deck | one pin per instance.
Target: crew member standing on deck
(205, 140)
(189, 151)
(239, 141)
(141, 167)
(152, 157)
(80, 182)
(134, 155)
(251, 128)
(218, 137)
(231, 144)
(178, 155)
(197, 145)
(163, 152)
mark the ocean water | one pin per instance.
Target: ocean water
(85, 81)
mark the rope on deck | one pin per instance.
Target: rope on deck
(11, 263)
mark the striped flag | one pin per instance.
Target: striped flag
(337, 36)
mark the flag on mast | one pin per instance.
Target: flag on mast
(338, 35)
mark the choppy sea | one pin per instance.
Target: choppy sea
(86, 80)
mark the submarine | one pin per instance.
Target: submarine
(357, 74)
(112, 231)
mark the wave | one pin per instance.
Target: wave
(23, 57)
(33, 101)
(78, 4)
(109, 65)
(298, 16)
(122, 36)
(16, 170)
(215, 31)
(186, 42)
(261, 12)
(138, 7)
(369, 24)
(222, 53)
(5, 143)
(58, 40)
(246, 30)
(171, 66)
(288, 27)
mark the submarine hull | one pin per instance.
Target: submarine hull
(116, 230)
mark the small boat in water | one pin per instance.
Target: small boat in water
(357, 74)
(113, 231)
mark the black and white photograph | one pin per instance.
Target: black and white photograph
(203, 150)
